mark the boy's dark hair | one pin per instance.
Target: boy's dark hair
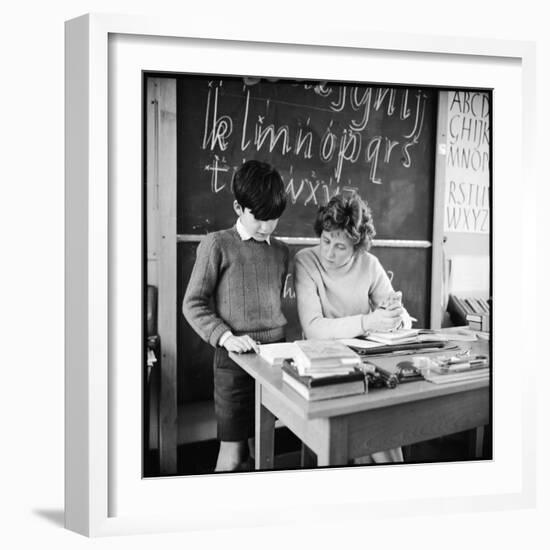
(350, 214)
(259, 187)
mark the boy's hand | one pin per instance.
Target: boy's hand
(241, 344)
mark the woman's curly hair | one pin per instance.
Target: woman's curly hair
(350, 214)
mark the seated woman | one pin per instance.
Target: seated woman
(340, 285)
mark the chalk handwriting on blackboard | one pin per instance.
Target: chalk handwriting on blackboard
(288, 288)
(345, 139)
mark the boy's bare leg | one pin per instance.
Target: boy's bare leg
(230, 455)
(248, 463)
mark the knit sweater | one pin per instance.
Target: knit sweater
(237, 285)
(331, 302)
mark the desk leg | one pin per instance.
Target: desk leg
(307, 457)
(476, 441)
(265, 433)
(333, 450)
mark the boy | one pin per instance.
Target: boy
(233, 300)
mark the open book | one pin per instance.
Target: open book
(275, 354)
(401, 336)
(407, 336)
(454, 377)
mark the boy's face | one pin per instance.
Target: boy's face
(259, 229)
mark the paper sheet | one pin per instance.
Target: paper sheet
(469, 275)
(275, 353)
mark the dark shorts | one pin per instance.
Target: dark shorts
(234, 394)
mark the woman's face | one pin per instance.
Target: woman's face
(336, 248)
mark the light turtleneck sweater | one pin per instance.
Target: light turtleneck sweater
(331, 301)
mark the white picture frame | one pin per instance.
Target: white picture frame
(104, 55)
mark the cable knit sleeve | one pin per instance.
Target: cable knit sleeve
(197, 302)
(381, 286)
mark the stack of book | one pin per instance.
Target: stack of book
(315, 388)
(458, 370)
(324, 357)
(323, 369)
(478, 321)
(460, 307)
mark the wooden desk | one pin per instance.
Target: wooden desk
(340, 429)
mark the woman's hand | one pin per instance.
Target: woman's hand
(383, 319)
(406, 320)
(241, 344)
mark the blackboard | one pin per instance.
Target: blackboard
(323, 139)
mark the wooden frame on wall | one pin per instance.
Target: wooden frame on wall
(100, 500)
(162, 256)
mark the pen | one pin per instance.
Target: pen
(416, 351)
(404, 352)
(466, 365)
